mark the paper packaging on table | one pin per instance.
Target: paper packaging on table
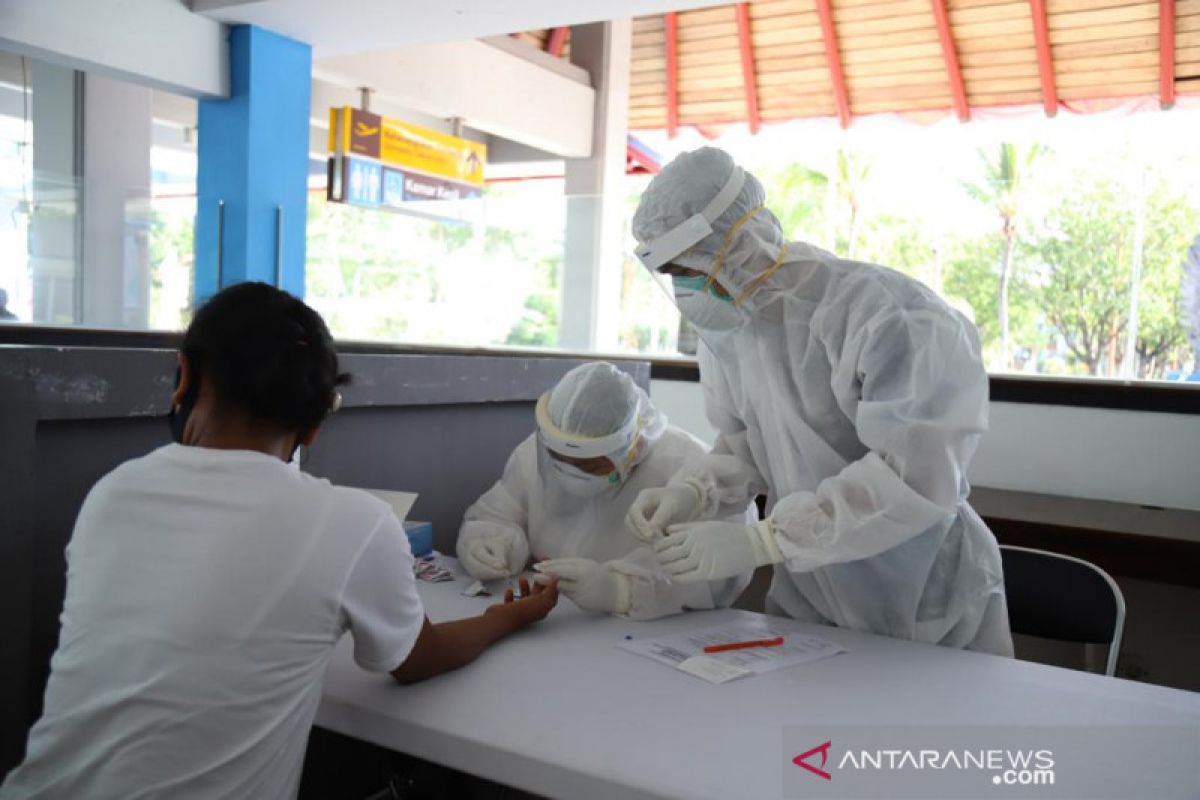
(476, 589)
(401, 502)
(497, 587)
(431, 568)
(420, 534)
(711, 669)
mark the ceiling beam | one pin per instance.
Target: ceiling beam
(1166, 53)
(1041, 39)
(557, 41)
(483, 83)
(746, 46)
(950, 55)
(672, 23)
(833, 56)
(147, 42)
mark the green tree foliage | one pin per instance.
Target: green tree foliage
(852, 171)
(1162, 342)
(1190, 290)
(1085, 253)
(380, 275)
(172, 253)
(972, 269)
(538, 326)
(902, 243)
(799, 197)
(1003, 187)
(825, 207)
(171, 235)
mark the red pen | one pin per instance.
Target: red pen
(721, 648)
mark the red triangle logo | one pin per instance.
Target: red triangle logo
(802, 760)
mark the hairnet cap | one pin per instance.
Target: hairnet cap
(593, 400)
(747, 233)
(684, 188)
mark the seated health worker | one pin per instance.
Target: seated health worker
(565, 491)
(209, 581)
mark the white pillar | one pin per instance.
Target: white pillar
(594, 244)
(116, 203)
(54, 222)
(89, 231)
(1129, 363)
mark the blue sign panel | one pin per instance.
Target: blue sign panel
(393, 188)
(364, 182)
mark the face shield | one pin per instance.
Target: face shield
(712, 301)
(683, 237)
(620, 449)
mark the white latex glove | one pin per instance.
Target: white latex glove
(707, 551)
(489, 558)
(655, 509)
(591, 585)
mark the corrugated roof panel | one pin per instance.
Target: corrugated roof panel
(892, 57)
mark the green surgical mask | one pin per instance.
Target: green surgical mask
(706, 310)
(696, 283)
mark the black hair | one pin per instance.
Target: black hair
(267, 354)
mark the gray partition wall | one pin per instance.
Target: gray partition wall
(439, 424)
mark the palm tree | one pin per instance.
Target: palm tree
(1002, 188)
(852, 174)
(799, 186)
(802, 204)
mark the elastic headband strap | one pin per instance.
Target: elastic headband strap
(575, 446)
(761, 279)
(719, 264)
(724, 199)
(692, 230)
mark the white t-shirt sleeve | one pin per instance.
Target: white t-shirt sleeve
(380, 601)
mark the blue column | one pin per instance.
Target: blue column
(253, 163)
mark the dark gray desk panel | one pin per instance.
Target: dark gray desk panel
(439, 424)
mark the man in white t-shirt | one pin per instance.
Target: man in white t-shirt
(209, 581)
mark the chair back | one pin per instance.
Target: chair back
(1061, 597)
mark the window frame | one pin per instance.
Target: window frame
(1149, 396)
(1152, 396)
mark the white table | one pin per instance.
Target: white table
(559, 710)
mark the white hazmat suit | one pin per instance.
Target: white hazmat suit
(572, 523)
(851, 395)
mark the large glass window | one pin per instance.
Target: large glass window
(16, 175)
(495, 279)
(1066, 242)
(172, 230)
(95, 222)
(491, 279)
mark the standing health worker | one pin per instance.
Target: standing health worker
(850, 394)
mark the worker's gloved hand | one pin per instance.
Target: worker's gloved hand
(707, 551)
(655, 509)
(489, 558)
(591, 585)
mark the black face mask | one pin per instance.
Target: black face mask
(177, 418)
